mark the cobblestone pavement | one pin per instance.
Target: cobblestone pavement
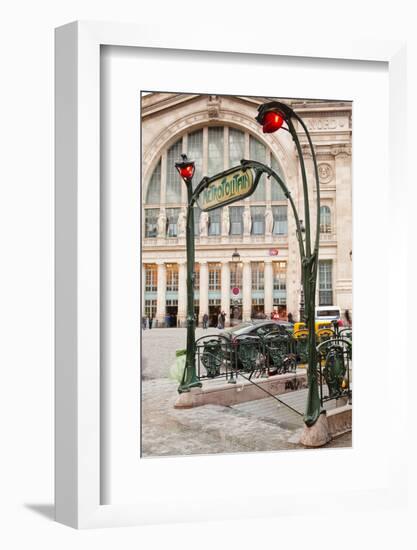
(207, 429)
(261, 425)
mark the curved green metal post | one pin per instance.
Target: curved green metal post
(190, 379)
(309, 259)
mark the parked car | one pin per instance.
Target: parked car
(258, 328)
(263, 346)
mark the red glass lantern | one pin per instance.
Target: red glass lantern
(185, 168)
(187, 171)
(272, 121)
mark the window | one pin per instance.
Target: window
(210, 152)
(151, 278)
(325, 283)
(325, 220)
(214, 276)
(151, 222)
(153, 195)
(236, 270)
(173, 180)
(150, 308)
(258, 220)
(236, 147)
(280, 275)
(196, 276)
(172, 219)
(280, 220)
(236, 220)
(277, 194)
(257, 151)
(215, 150)
(172, 277)
(214, 222)
(257, 309)
(257, 276)
(195, 153)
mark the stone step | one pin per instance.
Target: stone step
(271, 410)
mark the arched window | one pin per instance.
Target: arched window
(153, 195)
(215, 158)
(236, 147)
(257, 151)
(213, 149)
(325, 220)
(277, 194)
(195, 153)
(173, 181)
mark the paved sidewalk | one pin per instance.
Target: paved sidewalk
(261, 425)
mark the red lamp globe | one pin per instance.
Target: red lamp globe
(187, 171)
(185, 168)
(273, 120)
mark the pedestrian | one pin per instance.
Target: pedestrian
(205, 320)
(144, 322)
(147, 321)
(150, 322)
(290, 318)
(348, 319)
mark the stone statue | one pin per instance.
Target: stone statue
(225, 222)
(269, 220)
(247, 221)
(182, 223)
(162, 224)
(204, 224)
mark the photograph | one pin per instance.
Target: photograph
(246, 250)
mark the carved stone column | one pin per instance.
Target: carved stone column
(225, 287)
(269, 286)
(203, 290)
(142, 296)
(247, 291)
(161, 292)
(182, 292)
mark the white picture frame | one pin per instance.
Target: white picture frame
(78, 404)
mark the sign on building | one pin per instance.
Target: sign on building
(229, 186)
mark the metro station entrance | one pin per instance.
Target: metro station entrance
(235, 312)
(171, 313)
(214, 311)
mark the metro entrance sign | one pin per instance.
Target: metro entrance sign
(227, 187)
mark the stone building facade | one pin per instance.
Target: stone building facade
(216, 132)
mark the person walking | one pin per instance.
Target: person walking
(348, 318)
(205, 320)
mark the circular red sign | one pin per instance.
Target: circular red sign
(273, 251)
(235, 291)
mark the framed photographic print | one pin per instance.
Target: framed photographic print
(213, 206)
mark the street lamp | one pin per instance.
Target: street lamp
(236, 256)
(186, 169)
(272, 116)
